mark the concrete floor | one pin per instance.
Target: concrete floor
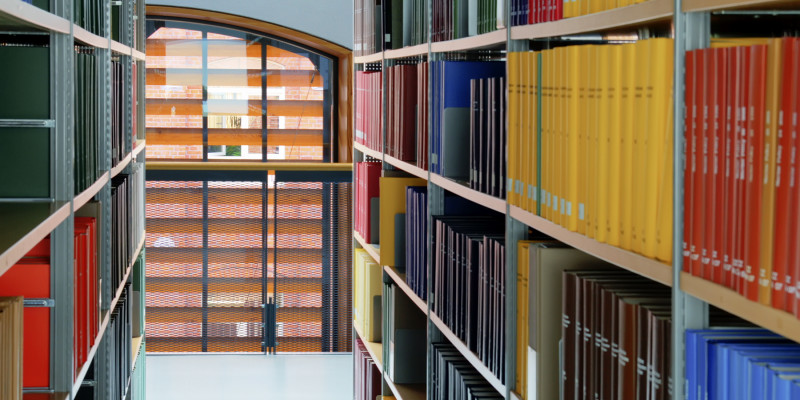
(240, 377)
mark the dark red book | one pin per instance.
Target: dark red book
(690, 157)
(700, 206)
(717, 224)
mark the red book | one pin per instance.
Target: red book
(784, 180)
(794, 266)
(756, 123)
(729, 203)
(30, 278)
(716, 185)
(740, 147)
(689, 166)
(699, 217)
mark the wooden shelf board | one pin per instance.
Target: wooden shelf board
(141, 144)
(367, 151)
(372, 58)
(87, 194)
(471, 357)
(138, 55)
(486, 40)
(89, 38)
(16, 15)
(136, 346)
(637, 14)
(483, 199)
(633, 262)
(375, 349)
(121, 165)
(778, 321)
(372, 250)
(400, 281)
(24, 226)
(120, 48)
(407, 392)
(408, 167)
(410, 51)
(717, 5)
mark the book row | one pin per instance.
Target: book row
(404, 112)
(367, 296)
(11, 339)
(90, 15)
(741, 364)
(406, 335)
(367, 200)
(367, 375)
(590, 141)
(741, 197)
(31, 277)
(454, 19)
(391, 24)
(121, 137)
(487, 136)
(127, 227)
(455, 379)
(369, 109)
(87, 125)
(526, 12)
(467, 286)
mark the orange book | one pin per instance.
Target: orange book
(784, 181)
(768, 165)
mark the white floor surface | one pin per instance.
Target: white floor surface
(251, 377)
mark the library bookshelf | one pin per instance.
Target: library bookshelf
(687, 22)
(76, 134)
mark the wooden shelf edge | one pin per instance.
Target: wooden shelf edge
(401, 283)
(32, 238)
(372, 347)
(633, 262)
(372, 58)
(121, 165)
(136, 347)
(85, 368)
(716, 5)
(407, 392)
(84, 197)
(650, 11)
(469, 355)
(483, 199)
(138, 55)
(410, 51)
(408, 167)
(366, 150)
(371, 250)
(34, 16)
(485, 40)
(778, 321)
(120, 48)
(89, 38)
(140, 146)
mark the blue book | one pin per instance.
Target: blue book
(708, 363)
(777, 374)
(732, 373)
(756, 380)
(782, 385)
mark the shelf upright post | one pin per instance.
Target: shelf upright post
(102, 356)
(692, 31)
(62, 80)
(515, 231)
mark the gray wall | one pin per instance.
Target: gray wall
(331, 20)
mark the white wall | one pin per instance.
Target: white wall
(327, 19)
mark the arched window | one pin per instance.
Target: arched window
(221, 93)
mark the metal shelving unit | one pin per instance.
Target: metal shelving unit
(692, 296)
(27, 221)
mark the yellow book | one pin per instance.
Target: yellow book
(561, 118)
(392, 203)
(572, 113)
(525, 82)
(595, 6)
(583, 127)
(603, 147)
(547, 147)
(533, 133)
(626, 158)
(615, 145)
(774, 75)
(589, 162)
(657, 238)
(358, 288)
(640, 133)
(514, 97)
(367, 295)
(650, 148)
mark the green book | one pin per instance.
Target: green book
(25, 82)
(26, 163)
